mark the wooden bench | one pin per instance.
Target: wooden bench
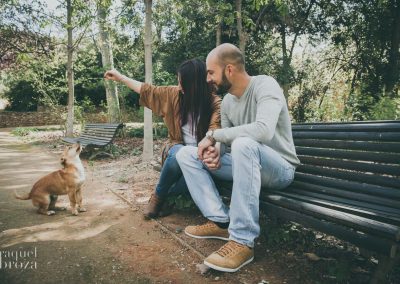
(348, 186)
(96, 135)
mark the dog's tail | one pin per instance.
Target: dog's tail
(26, 196)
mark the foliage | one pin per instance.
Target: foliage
(335, 60)
(386, 108)
(288, 233)
(23, 131)
(181, 202)
(22, 26)
(159, 131)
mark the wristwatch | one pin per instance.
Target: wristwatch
(210, 136)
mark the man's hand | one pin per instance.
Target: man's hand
(113, 75)
(212, 157)
(203, 145)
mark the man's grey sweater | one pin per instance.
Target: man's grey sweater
(260, 113)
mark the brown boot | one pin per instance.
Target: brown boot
(154, 207)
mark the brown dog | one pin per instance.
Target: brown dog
(68, 180)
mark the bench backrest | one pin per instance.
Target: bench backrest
(358, 161)
(100, 132)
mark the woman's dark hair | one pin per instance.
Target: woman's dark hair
(196, 99)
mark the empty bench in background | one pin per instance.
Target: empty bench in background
(348, 186)
(96, 136)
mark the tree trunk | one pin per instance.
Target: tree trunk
(70, 73)
(393, 61)
(218, 34)
(286, 64)
(114, 114)
(242, 35)
(148, 120)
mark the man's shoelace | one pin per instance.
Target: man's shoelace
(206, 225)
(229, 248)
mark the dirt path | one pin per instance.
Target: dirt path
(110, 243)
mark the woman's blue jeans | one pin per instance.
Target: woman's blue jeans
(171, 180)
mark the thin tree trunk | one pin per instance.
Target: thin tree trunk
(114, 114)
(70, 73)
(218, 34)
(286, 64)
(241, 33)
(393, 62)
(148, 120)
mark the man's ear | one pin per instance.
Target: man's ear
(229, 69)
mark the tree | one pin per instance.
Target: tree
(21, 30)
(290, 19)
(70, 73)
(241, 33)
(148, 121)
(369, 34)
(83, 19)
(103, 7)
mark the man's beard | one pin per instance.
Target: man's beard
(225, 85)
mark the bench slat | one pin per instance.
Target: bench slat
(363, 209)
(93, 141)
(351, 155)
(351, 186)
(104, 125)
(390, 205)
(392, 126)
(391, 147)
(357, 136)
(70, 140)
(357, 222)
(352, 165)
(99, 131)
(350, 175)
(103, 138)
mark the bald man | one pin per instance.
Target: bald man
(255, 125)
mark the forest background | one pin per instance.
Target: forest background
(335, 60)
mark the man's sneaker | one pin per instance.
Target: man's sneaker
(154, 207)
(209, 230)
(230, 257)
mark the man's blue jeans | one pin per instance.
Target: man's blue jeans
(250, 165)
(171, 180)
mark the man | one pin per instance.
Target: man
(256, 125)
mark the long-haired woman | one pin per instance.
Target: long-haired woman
(189, 110)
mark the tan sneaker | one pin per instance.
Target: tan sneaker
(209, 230)
(230, 257)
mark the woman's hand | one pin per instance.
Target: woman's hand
(118, 77)
(113, 75)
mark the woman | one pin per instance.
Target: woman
(189, 110)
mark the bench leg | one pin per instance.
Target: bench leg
(384, 266)
(96, 153)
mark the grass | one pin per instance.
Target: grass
(24, 131)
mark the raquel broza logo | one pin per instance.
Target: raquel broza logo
(18, 259)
